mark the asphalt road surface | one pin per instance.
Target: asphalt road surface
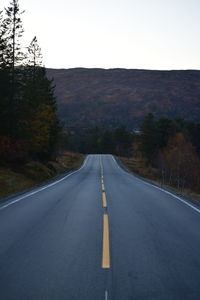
(99, 233)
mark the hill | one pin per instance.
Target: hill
(113, 97)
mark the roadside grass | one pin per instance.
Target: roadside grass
(12, 182)
(70, 160)
(138, 166)
(17, 178)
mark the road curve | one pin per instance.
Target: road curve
(99, 233)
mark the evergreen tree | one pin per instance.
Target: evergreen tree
(38, 88)
(31, 79)
(28, 120)
(12, 30)
(33, 68)
(39, 123)
(35, 55)
(108, 145)
(194, 133)
(122, 141)
(4, 81)
(149, 138)
(164, 128)
(2, 42)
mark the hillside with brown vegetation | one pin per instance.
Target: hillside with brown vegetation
(88, 97)
(19, 177)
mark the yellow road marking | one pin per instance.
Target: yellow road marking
(106, 244)
(103, 187)
(104, 199)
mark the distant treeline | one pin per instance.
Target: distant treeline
(98, 140)
(169, 148)
(28, 122)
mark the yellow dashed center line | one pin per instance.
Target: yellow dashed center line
(106, 244)
(104, 199)
(106, 241)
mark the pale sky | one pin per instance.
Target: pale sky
(137, 34)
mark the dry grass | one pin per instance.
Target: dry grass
(138, 166)
(12, 182)
(70, 160)
(15, 179)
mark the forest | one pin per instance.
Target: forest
(171, 151)
(28, 121)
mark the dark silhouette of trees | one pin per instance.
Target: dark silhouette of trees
(194, 134)
(100, 140)
(13, 58)
(28, 123)
(149, 138)
(123, 141)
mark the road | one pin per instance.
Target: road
(99, 233)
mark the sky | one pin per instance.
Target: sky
(133, 34)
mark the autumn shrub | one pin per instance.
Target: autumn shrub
(179, 163)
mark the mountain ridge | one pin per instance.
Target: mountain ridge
(113, 97)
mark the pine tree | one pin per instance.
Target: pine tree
(2, 55)
(39, 123)
(4, 81)
(31, 79)
(13, 57)
(149, 138)
(13, 29)
(38, 88)
(122, 141)
(35, 55)
(2, 42)
(27, 101)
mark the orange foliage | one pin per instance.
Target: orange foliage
(181, 162)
